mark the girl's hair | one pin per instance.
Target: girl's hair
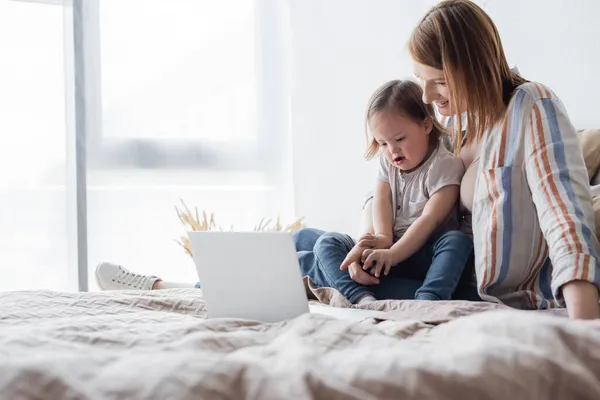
(403, 98)
(458, 37)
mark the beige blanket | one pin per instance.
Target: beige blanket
(157, 345)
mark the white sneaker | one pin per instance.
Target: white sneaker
(115, 277)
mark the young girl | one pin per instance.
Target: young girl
(415, 251)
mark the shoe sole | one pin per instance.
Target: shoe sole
(96, 277)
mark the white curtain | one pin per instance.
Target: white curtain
(33, 224)
(165, 100)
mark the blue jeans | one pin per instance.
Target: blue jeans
(441, 270)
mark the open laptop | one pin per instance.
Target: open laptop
(256, 276)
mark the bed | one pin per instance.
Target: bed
(159, 345)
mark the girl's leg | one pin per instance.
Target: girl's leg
(330, 251)
(467, 287)
(396, 288)
(451, 253)
(306, 238)
(405, 278)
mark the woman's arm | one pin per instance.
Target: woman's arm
(558, 181)
(582, 299)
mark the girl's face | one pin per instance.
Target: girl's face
(404, 142)
(435, 89)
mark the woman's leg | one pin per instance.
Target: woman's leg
(451, 253)
(111, 276)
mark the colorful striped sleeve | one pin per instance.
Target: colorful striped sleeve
(558, 180)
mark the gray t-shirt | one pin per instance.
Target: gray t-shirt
(411, 190)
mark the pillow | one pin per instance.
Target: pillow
(590, 144)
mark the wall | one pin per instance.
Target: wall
(343, 49)
(556, 43)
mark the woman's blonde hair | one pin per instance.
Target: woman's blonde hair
(403, 98)
(458, 37)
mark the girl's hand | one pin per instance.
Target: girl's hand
(371, 241)
(379, 259)
(353, 256)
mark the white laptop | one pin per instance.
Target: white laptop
(256, 276)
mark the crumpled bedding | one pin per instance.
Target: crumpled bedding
(158, 345)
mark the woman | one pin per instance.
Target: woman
(534, 240)
(525, 185)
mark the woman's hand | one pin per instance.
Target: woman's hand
(582, 299)
(378, 261)
(378, 241)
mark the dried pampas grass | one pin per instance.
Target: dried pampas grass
(194, 221)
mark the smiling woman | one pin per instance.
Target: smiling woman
(531, 195)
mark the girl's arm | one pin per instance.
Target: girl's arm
(559, 185)
(383, 216)
(366, 223)
(437, 209)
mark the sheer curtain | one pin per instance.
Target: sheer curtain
(166, 100)
(33, 197)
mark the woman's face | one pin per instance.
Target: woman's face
(435, 89)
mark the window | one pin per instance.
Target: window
(33, 190)
(178, 84)
(168, 100)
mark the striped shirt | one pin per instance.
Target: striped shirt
(533, 223)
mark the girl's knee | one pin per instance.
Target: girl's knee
(300, 234)
(305, 238)
(456, 238)
(329, 238)
(333, 240)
